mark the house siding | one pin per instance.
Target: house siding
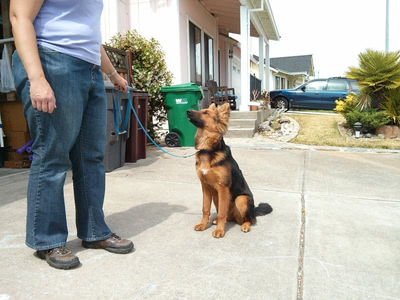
(224, 61)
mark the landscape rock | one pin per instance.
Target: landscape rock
(276, 126)
(284, 133)
(281, 121)
(389, 131)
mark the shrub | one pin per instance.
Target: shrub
(149, 73)
(391, 105)
(377, 73)
(344, 106)
(371, 119)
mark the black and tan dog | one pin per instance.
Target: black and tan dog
(221, 179)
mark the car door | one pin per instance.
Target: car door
(309, 95)
(336, 88)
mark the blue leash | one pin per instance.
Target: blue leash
(118, 120)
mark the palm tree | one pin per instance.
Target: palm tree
(378, 72)
(392, 105)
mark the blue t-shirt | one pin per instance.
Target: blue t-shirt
(71, 27)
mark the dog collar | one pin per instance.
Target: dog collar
(212, 150)
(208, 151)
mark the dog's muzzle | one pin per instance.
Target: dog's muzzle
(194, 119)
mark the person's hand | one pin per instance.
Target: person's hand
(119, 82)
(42, 95)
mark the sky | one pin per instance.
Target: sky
(334, 31)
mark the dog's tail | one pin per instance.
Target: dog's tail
(263, 209)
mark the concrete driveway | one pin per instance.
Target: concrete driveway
(334, 232)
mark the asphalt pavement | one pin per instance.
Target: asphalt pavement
(334, 232)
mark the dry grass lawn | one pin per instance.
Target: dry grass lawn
(323, 130)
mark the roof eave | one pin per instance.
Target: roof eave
(263, 21)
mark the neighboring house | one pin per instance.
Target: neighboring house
(287, 72)
(291, 71)
(194, 35)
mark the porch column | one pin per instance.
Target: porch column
(261, 61)
(244, 59)
(267, 66)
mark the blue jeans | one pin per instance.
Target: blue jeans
(73, 136)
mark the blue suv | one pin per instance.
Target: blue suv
(315, 94)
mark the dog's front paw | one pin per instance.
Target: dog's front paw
(218, 233)
(246, 227)
(200, 227)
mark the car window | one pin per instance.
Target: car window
(315, 85)
(337, 85)
(354, 85)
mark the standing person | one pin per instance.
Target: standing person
(58, 79)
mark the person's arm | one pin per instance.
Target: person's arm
(106, 66)
(22, 15)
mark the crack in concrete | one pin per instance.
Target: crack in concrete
(300, 270)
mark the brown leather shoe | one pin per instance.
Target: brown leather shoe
(59, 258)
(113, 244)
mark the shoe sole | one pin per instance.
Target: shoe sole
(121, 250)
(60, 265)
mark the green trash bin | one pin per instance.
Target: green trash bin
(178, 100)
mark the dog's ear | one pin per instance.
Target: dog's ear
(212, 106)
(223, 113)
(224, 109)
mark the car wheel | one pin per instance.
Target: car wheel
(281, 102)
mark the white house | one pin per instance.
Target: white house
(195, 36)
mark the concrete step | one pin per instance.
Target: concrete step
(240, 133)
(244, 123)
(243, 115)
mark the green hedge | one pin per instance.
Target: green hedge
(149, 73)
(371, 119)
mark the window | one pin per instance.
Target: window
(209, 57)
(316, 85)
(283, 83)
(354, 85)
(195, 53)
(277, 82)
(337, 85)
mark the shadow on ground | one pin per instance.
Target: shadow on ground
(126, 223)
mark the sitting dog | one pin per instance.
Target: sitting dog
(221, 179)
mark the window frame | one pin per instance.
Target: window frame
(208, 57)
(277, 82)
(195, 53)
